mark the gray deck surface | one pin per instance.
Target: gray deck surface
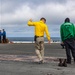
(20, 59)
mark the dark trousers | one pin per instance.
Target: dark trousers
(0, 39)
(70, 48)
(4, 39)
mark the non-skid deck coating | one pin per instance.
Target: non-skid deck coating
(53, 50)
(20, 59)
(26, 52)
(26, 58)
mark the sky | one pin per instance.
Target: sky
(14, 15)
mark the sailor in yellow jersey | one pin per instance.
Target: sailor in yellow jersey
(40, 28)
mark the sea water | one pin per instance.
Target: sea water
(31, 39)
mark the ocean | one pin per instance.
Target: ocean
(31, 39)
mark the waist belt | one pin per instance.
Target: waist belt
(39, 36)
(36, 37)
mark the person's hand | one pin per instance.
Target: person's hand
(30, 20)
(49, 42)
(62, 42)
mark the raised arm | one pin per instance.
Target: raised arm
(30, 23)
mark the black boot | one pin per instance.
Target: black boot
(64, 63)
(60, 62)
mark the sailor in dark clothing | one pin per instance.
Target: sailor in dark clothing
(4, 36)
(0, 36)
(67, 31)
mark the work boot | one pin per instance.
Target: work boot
(60, 62)
(41, 62)
(64, 63)
(68, 62)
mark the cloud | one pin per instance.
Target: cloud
(53, 12)
(15, 13)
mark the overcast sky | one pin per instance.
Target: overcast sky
(14, 15)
